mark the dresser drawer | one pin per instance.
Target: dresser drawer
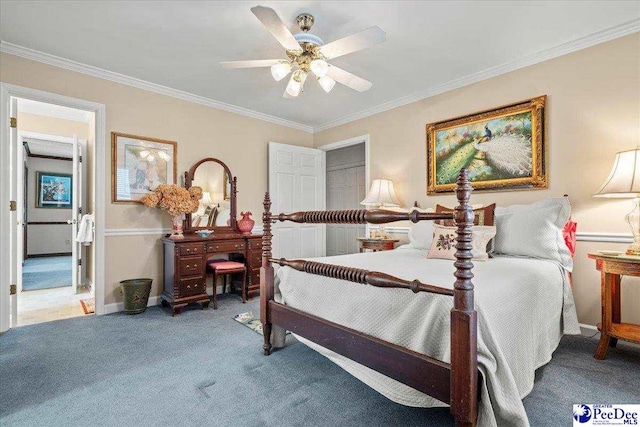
(192, 249)
(191, 266)
(255, 259)
(189, 287)
(255, 244)
(232, 246)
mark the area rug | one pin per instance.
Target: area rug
(46, 273)
(88, 305)
(250, 322)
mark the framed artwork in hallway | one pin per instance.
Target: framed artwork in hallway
(53, 190)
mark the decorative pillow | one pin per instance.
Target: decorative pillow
(482, 216)
(421, 233)
(534, 230)
(444, 242)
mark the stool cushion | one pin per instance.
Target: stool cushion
(227, 265)
(212, 262)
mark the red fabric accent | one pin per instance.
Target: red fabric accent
(569, 234)
(226, 265)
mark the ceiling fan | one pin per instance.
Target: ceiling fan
(307, 53)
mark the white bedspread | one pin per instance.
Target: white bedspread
(524, 306)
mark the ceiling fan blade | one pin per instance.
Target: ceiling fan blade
(348, 79)
(355, 42)
(286, 95)
(274, 24)
(250, 64)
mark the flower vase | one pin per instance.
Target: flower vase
(245, 225)
(176, 229)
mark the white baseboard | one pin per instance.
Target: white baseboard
(119, 306)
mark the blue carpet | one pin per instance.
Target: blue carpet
(46, 273)
(204, 368)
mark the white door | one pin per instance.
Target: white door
(82, 210)
(75, 213)
(297, 183)
(13, 217)
(5, 213)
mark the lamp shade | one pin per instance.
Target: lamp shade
(624, 178)
(206, 198)
(381, 193)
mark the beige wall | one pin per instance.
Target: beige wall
(593, 111)
(200, 131)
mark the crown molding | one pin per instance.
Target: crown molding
(56, 61)
(599, 37)
(596, 38)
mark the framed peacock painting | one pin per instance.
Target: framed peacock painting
(503, 149)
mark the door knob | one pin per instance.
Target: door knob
(71, 221)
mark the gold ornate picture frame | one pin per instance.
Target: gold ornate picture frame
(503, 149)
(139, 164)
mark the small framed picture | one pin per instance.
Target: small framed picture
(53, 190)
(139, 164)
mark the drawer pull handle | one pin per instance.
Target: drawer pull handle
(188, 286)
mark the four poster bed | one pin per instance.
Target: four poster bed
(454, 383)
(474, 347)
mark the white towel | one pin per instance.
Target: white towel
(85, 230)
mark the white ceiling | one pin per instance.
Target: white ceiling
(49, 148)
(431, 46)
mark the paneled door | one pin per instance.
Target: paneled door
(345, 190)
(297, 183)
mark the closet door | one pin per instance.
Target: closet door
(345, 190)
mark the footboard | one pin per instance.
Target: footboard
(455, 383)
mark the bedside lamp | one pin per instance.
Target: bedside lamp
(381, 195)
(206, 198)
(624, 182)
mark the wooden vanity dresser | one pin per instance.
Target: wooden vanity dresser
(185, 265)
(185, 259)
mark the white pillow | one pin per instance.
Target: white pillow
(534, 230)
(421, 232)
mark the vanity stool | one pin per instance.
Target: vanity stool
(223, 268)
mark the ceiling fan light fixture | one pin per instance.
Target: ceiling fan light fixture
(319, 67)
(296, 82)
(327, 83)
(280, 70)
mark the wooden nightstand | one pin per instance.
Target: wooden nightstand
(376, 244)
(612, 268)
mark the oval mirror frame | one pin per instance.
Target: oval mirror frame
(188, 181)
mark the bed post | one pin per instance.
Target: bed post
(464, 346)
(266, 276)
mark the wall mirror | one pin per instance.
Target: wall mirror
(217, 210)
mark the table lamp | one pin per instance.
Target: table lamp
(381, 195)
(206, 198)
(624, 182)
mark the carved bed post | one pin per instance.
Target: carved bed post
(266, 276)
(464, 346)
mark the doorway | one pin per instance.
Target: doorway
(347, 180)
(51, 181)
(12, 189)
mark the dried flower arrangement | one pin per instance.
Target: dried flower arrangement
(176, 201)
